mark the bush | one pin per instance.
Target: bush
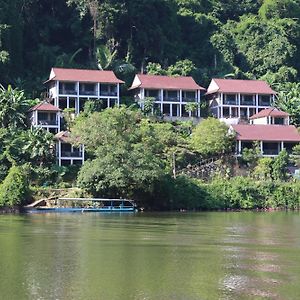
(15, 189)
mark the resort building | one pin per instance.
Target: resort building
(71, 88)
(231, 99)
(66, 153)
(171, 94)
(45, 115)
(271, 129)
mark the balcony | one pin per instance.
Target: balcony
(71, 153)
(171, 99)
(230, 102)
(67, 92)
(48, 122)
(248, 102)
(270, 152)
(185, 99)
(88, 93)
(108, 94)
(264, 103)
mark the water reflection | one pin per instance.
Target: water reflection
(150, 256)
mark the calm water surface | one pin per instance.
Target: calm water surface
(150, 256)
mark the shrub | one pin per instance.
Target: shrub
(15, 189)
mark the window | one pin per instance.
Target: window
(247, 100)
(87, 88)
(189, 96)
(225, 112)
(279, 121)
(166, 109)
(264, 100)
(152, 93)
(170, 96)
(230, 99)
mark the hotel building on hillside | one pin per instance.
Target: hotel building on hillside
(231, 99)
(171, 94)
(71, 89)
(271, 129)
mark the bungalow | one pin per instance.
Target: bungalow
(271, 129)
(171, 94)
(45, 115)
(71, 88)
(238, 99)
(66, 153)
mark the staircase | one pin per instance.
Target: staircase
(205, 168)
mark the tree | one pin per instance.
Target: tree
(263, 169)
(123, 164)
(191, 107)
(15, 189)
(13, 107)
(280, 166)
(39, 146)
(288, 99)
(211, 137)
(105, 57)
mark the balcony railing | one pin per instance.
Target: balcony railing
(47, 122)
(264, 103)
(71, 154)
(230, 102)
(271, 152)
(171, 99)
(112, 94)
(68, 92)
(88, 93)
(189, 99)
(248, 103)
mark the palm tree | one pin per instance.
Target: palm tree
(39, 146)
(105, 57)
(13, 107)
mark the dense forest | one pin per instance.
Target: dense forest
(136, 154)
(205, 38)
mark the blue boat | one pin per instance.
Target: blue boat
(87, 205)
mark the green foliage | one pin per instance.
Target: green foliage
(131, 153)
(14, 190)
(250, 156)
(263, 169)
(38, 146)
(105, 57)
(288, 99)
(211, 137)
(13, 108)
(280, 165)
(148, 105)
(155, 69)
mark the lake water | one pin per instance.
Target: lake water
(185, 256)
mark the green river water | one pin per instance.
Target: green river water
(245, 255)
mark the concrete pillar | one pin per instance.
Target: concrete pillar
(262, 147)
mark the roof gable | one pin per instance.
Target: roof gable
(271, 133)
(270, 112)
(165, 82)
(45, 106)
(239, 86)
(81, 75)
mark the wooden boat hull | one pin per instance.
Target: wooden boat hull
(77, 209)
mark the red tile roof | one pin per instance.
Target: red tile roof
(272, 133)
(62, 74)
(44, 106)
(270, 112)
(63, 136)
(242, 86)
(166, 82)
